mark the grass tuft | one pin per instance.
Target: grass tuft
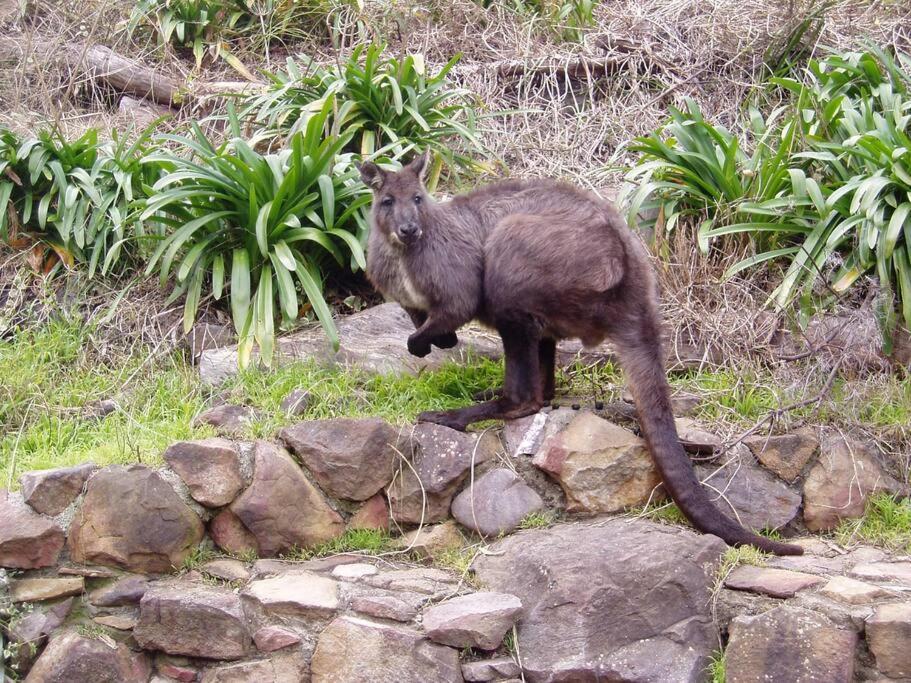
(886, 523)
(366, 541)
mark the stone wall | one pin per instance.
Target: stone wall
(107, 560)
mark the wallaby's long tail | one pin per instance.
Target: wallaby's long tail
(645, 373)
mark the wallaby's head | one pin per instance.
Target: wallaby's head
(399, 199)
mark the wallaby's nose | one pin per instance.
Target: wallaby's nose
(409, 230)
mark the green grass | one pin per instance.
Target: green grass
(337, 393)
(661, 512)
(49, 375)
(716, 668)
(538, 520)
(886, 523)
(367, 541)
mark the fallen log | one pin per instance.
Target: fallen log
(129, 76)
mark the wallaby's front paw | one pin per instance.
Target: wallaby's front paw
(417, 346)
(445, 341)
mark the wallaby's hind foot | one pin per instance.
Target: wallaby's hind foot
(500, 409)
(445, 341)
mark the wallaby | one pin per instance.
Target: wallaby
(538, 261)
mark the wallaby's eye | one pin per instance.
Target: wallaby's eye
(417, 199)
(387, 201)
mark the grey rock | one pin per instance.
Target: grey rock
(354, 649)
(477, 620)
(776, 583)
(296, 403)
(888, 635)
(614, 599)
(789, 644)
(297, 594)
(441, 458)
(496, 503)
(228, 420)
(761, 500)
(193, 620)
(126, 591)
(490, 670)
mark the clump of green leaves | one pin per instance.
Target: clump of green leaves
(262, 228)
(827, 185)
(384, 105)
(74, 199)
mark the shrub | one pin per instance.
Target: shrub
(202, 26)
(827, 186)
(565, 19)
(387, 106)
(251, 224)
(74, 198)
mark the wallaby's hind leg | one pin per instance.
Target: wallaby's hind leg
(522, 391)
(547, 353)
(547, 356)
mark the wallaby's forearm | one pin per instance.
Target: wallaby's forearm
(445, 340)
(438, 327)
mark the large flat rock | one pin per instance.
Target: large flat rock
(375, 340)
(615, 599)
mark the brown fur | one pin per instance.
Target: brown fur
(538, 261)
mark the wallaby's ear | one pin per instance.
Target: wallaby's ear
(421, 165)
(372, 175)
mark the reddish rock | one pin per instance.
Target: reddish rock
(271, 638)
(776, 583)
(210, 468)
(131, 518)
(431, 541)
(496, 503)
(349, 458)
(38, 589)
(126, 591)
(373, 514)
(289, 666)
(884, 571)
(50, 492)
(32, 630)
(789, 644)
(490, 670)
(396, 606)
(477, 620)
(226, 570)
(430, 581)
(889, 636)
(193, 620)
(228, 420)
(441, 458)
(229, 533)
(177, 672)
(600, 466)
(70, 657)
(852, 592)
(840, 483)
(281, 508)
(695, 438)
(354, 649)
(785, 455)
(27, 540)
